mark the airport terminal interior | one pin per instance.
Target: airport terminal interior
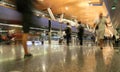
(47, 40)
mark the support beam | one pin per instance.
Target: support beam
(51, 14)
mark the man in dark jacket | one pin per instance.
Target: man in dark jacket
(68, 34)
(80, 33)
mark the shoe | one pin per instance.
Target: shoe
(27, 55)
(101, 48)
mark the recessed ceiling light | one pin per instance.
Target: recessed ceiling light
(89, 1)
(41, 0)
(66, 8)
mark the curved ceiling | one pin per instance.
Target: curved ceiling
(83, 10)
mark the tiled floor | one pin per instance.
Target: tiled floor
(60, 58)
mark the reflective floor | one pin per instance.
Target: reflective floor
(60, 58)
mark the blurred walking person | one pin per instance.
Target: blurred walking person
(25, 7)
(99, 25)
(68, 33)
(80, 33)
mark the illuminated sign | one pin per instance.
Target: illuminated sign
(96, 2)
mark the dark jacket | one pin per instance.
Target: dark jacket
(24, 6)
(68, 31)
(80, 30)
